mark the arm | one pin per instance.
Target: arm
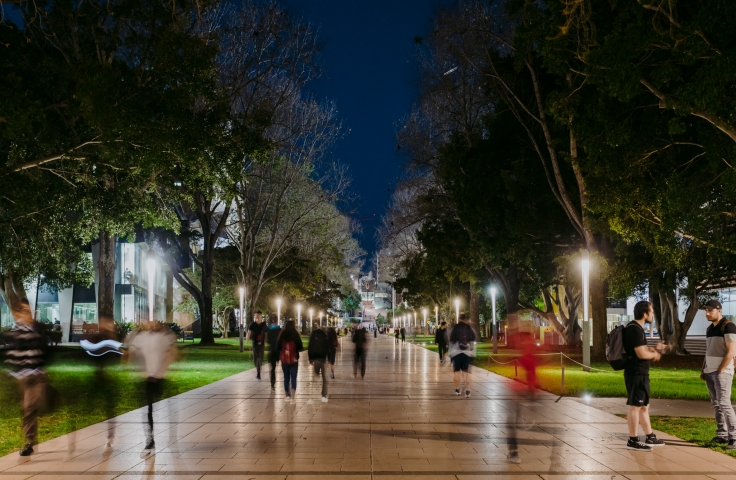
(728, 358)
(647, 353)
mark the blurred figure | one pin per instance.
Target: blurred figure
(26, 359)
(403, 335)
(522, 391)
(440, 339)
(288, 346)
(318, 350)
(332, 345)
(462, 352)
(274, 330)
(257, 332)
(360, 340)
(396, 335)
(154, 350)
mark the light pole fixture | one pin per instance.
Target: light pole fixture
(278, 311)
(310, 317)
(457, 310)
(585, 265)
(151, 264)
(424, 311)
(415, 319)
(320, 319)
(299, 314)
(437, 316)
(242, 317)
(494, 327)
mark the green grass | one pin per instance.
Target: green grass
(83, 401)
(691, 429)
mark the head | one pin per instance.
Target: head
(22, 312)
(443, 324)
(289, 326)
(463, 318)
(259, 316)
(713, 310)
(643, 311)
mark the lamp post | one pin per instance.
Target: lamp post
(278, 311)
(494, 327)
(299, 314)
(320, 319)
(437, 316)
(425, 326)
(242, 317)
(151, 264)
(585, 264)
(310, 317)
(415, 319)
(457, 311)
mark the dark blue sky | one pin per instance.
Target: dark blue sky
(370, 72)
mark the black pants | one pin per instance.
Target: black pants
(442, 349)
(359, 358)
(272, 359)
(397, 339)
(258, 358)
(154, 389)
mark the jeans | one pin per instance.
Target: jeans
(258, 358)
(719, 387)
(290, 373)
(272, 359)
(319, 366)
(359, 358)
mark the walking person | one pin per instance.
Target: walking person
(396, 335)
(332, 345)
(360, 340)
(318, 350)
(272, 336)
(26, 359)
(718, 372)
(257, 332)
(154, 350)
(403, 335)
(462, 352)
(440, 339)
(636, 377)
(288, 347)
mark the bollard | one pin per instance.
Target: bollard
(562, 365)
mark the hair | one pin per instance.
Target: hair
(258, 312)
(463, 317)
(641, 309)
(289, 333)
(443, 323)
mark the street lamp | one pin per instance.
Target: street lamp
(151, 264)
(437, 316)
(242, 317)
(493, 320)
(310, 317)
(320, 319)
(415, 319)
(299, 314)
(457, 310)
(424, 311)
(585, 265)
(278, 311)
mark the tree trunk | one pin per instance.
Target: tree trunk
(106, 286)
(598, 313)
(663, 325)
(657, 307)
(12, 289)
(474, 308)
(692, 310)
(206, 317)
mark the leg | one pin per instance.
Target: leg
(632, 419)
(150, 396)
(723, 389)
(32, 392)
(362, 363)
(272, 363)
(355, 362)
(294, 369)
(456, 378)
(466, 379)
(287, 371)
(710, 382)
(646, 425)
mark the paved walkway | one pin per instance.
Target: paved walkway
(402, 421)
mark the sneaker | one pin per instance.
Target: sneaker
(457, 392)
(653, 441)
(27, 450)
(637, 445)
(467, 393)
(719, 440)
(258, 377)
(514, 458)
(731, 445)
(324, 399)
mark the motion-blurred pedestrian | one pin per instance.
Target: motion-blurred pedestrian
(274, 330)
(332, 349)
(257, 333)
(360, 341)
(462, 352)
(318, 351)
(289, 345)
(26, 359)
(153, 349)
(440, 339)
(403, 334)
(396, 335)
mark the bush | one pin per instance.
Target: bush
(122, 329)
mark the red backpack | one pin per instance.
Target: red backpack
(288, 355)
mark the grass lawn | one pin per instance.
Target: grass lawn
(691, 429)
(72, 373)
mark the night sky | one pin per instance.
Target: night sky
(370, 71)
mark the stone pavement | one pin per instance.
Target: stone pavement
(402, 421)
(657, 406)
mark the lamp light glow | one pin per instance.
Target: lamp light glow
(457, 310)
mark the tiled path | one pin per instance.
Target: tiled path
(402, 421)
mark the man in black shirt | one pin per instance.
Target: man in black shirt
(257, 333)
(636, 376)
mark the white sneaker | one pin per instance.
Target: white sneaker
(324, 399)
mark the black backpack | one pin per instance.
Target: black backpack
(464, 336)
(615, 352)
(318, 345)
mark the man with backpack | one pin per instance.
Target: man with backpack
(462, 352)
(272, 336)
(718, 372)
(257, 333)
(636, 377)
(318, 351)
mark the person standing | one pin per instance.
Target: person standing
(403, 335)
(462, 352)
(718, 372)
(332, 345)
(154, 350)
(440, 339)
(257, 332)
(360, 340)
(288, 347)
(636, 377)
(396, 335)
(272, 336)
(318, 351)
(26, 359)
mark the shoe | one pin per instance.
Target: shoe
(457, 392)
(719, 440)
(653, 441)
(258, 377)
(324, 399)
(332, 375)
(731, 445)
(273, 388)
(514, 458)
(27, 450)
(637, 445)
(467, 393)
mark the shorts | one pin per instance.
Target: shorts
(331, 356)
(637, 389)
(461, 362)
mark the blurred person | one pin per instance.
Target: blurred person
(26, 359)
(718, 372)
(636, 377)
(403, 334)
(153, 349)
(360, 341)
(332, 344)
(318, 351)
(288, 346)
(522, 391)
(257, 333)
(375, 333)
(462, 353)
(396, 335)
(440, 339)
(272, 336)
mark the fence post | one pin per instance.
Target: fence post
(562, 365)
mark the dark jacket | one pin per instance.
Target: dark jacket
(290, 335)
(440, 336)
(359, 339)
(318, 345)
